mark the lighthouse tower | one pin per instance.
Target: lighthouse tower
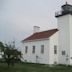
(64, 18)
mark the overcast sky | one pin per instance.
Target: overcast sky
(17, 17)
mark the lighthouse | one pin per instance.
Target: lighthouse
(64, 20)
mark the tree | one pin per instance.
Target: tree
(1, 46)
(11, 54)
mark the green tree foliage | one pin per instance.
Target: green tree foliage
(1, 46)
(10, 54)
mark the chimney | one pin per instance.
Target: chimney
(36, 29)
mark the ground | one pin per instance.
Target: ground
(25, 67)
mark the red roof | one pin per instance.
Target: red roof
(41, 35)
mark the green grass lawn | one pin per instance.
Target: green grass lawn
(33, 68)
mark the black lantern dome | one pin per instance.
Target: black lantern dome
(66, 9)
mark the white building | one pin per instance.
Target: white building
(65, 34)
(39, 47)
(52, 46)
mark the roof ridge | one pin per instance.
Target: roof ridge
(46, 30)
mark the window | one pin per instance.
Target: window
(26, 49)
(63, 52)
(42, 49)
(33, 49)
(55, 49)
